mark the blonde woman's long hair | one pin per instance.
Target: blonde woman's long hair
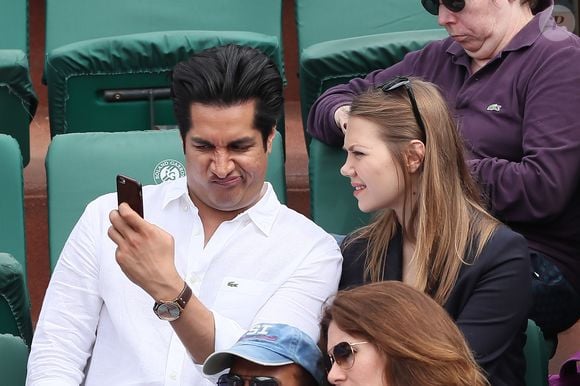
(446, 217)
(420, 343)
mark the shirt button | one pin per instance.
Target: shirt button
(173, 375)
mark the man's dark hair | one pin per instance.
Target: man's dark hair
(227, 76)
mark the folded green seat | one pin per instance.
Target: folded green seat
(12, 230)
(337, 21)
(100, 54)
(17, 98)
(96, 158)
(14, 301)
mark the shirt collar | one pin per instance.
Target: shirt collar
(525, 38)
(262, 214)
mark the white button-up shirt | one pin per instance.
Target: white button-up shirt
(269, 264)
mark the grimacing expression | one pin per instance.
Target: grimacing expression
(225, 156)
(375, 176)
(287, 375)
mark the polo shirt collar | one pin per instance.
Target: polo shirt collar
(262, 214)
(174, 190)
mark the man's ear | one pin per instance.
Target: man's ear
(270, 140)
(415, 155)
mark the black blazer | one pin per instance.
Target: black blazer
(489, 302)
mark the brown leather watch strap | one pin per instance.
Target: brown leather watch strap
(184, 296)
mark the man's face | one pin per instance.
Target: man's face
(287, 375)
(226, 158)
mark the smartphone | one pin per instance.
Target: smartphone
(131, 192)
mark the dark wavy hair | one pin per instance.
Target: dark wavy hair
(226, 76)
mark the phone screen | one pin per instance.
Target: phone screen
(130, 191)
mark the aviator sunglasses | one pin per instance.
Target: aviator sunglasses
(401, 81)
(238, 380)
(432, 6)
(343, 355)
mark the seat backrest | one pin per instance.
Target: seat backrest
(14, 25)
(17, 98)
(14, 360)
(15, 316)
(83, 166)
(70, 21)
(12, 231)
(98, 48)
(325, 20)
(536, 355)
(332, 203)
(328, 64)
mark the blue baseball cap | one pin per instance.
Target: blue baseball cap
(270, 344)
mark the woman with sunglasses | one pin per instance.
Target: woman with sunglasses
(512, 76)
(405, 162)
(389, 334)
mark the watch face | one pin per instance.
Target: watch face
(168, 311)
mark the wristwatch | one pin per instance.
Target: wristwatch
(171, 310)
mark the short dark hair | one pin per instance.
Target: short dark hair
(227, 76)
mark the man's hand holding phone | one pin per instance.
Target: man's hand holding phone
(144, 251)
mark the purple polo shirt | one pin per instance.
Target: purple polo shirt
(520, 119)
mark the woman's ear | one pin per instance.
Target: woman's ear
(415, 155)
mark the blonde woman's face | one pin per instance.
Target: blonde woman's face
(375, 177)
(367, 363)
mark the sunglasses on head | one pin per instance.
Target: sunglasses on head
(401, 81)
(432, 6)
(343, 355)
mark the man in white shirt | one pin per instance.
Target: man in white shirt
(216, 252)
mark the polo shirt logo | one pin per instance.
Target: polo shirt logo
(494, 107)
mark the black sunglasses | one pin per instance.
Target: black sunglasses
(238, 380)
(432, 6)
(401, 81)
(343, 355)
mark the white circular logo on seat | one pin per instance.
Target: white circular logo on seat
(168, 170)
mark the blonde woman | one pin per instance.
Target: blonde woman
(405, 160)
(389, 334)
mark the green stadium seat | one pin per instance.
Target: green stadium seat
(14, 299)
(14, 360)
(536, 354)
(12, 231)
(15, 316)
(96, 158)
(18, 101)
(328, 64)
(339, 40)
(98, 52)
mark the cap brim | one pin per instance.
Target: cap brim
(219, 361)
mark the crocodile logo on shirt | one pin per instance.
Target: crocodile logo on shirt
(232, 284)
(494, 107)
(168, 170)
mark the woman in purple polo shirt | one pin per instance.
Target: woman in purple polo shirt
(512, 78)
